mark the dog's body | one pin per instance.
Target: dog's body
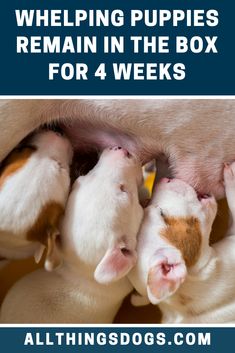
(207, 295)
(187, 131)
(177, 269)
(97, 246)
(34, 187)
(63, 296)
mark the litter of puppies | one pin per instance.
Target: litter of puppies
(101, 244)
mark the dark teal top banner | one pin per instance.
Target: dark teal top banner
(164, 47)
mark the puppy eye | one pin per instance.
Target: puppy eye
(59, 164)
(161, 212)
(122, 188)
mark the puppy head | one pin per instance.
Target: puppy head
(43, 144)
(174, 236)
(53, 145)
(117, 163)
(178, 199)
(103, 216)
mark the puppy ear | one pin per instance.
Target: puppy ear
(166, 275)
(39, 253)
(116, 263)
(53, 257)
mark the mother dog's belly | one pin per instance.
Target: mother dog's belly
(196, 135)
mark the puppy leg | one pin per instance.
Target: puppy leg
(229, 181)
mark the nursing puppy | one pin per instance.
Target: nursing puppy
(97, 249)
(34, 186)
(191, 281)
(186, 131)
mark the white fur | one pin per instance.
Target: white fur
(43, 178)
(98, 244)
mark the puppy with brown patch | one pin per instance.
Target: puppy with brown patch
(191, 281)
(34, 186)
(97, 250)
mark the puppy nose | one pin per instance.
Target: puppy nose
(119, 148)
(115, 148)
(166, 180)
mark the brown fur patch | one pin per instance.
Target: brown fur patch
(47, 223)
(14, 162)
(185, 235)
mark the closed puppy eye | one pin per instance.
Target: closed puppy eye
(59, 164)
(125, 193)
(162, 213)
(123, 188)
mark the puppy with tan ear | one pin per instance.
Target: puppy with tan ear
(176, 266)
(97, 249)
(34, 186)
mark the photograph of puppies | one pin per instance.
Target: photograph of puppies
(117, 210)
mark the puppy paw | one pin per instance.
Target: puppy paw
(229, 183)
(229, 173)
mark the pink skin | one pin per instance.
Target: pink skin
(166, 274)
(191, 168)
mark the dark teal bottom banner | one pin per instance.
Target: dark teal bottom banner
(117, 339)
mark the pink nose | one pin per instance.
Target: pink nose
(123, 150)
(166, 180)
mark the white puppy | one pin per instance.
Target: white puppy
(97, 245)
(192, 281)
(34, 186)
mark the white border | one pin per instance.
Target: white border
(116, 97)
(119, 325)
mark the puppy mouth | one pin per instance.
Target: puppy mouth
(55, 128)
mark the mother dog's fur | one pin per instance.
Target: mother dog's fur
(197, 136)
